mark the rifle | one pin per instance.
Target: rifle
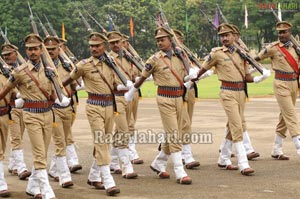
(295, 43)
(47, 61)
(96, 22)
(222, 15)
(209, 20)
(242, 52)
(64, 59)
(129, 57)
(68, 52)
(108, 60)
(175, 44)
(4, 70)
(240, 41)
(131, 50)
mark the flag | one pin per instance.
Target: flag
(216, 20)
(246, 17)
(63, 36)
(131, 26)
(186, 23)
(279, 12)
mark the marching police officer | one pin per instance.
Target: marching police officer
(16, 161)
(100, 81)
(285, 62)
(38, 93)
(63, 118)
(233, 72)
(168, 73)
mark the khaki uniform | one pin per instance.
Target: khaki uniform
(99, 112)
(134, 103)
(285, 89)
(170, 107)
(121, 136)
(38, 121)
(17, 126)
(4, 117)
(62, 131)
(232, 99)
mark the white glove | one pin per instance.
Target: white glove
(207, 74)
(188, 84)
(129, 84)
(121, 87)
(18, 95)
(265, 75)
(150, 78)
(192, 74)
(252, 70)
(82, 87)
(19, 103)
(64, 102)
(137, 79)
(129, 94)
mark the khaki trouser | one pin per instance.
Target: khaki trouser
(101, 120)
(187, 114)
(122, 135)
(186, 125)
(171, 115)
(17, 128)
(39, 128)
(3, 134)
(62, 130)
(134, 110)
(234, 105)
(191, 103)
(286, 94)
(75, 110)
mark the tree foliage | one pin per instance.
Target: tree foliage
(14, 16)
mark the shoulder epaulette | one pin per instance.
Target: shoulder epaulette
(156, 56)
(274, 43)
(20, 68)
(216, 49)
(84, 61)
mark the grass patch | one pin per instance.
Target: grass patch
(209, 88)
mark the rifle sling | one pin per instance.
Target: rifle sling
(48, 97)
(241, 73)
(173, 72)
(177, 78)
(111, 90)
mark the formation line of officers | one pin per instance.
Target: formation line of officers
(29, 100)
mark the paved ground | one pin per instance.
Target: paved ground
(272, 179)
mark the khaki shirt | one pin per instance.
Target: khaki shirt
(123, 65)
(277, 57)
(161, 72)
(93, 82)
(6, 100)
(62, 73)
(26, 86)
(225, 68)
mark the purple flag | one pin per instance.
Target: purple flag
(216, 20)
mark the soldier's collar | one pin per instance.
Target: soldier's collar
(35, 66)
(56, 61)
(287, 44)
(231, 49)
(168, 53)
(95, 60)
